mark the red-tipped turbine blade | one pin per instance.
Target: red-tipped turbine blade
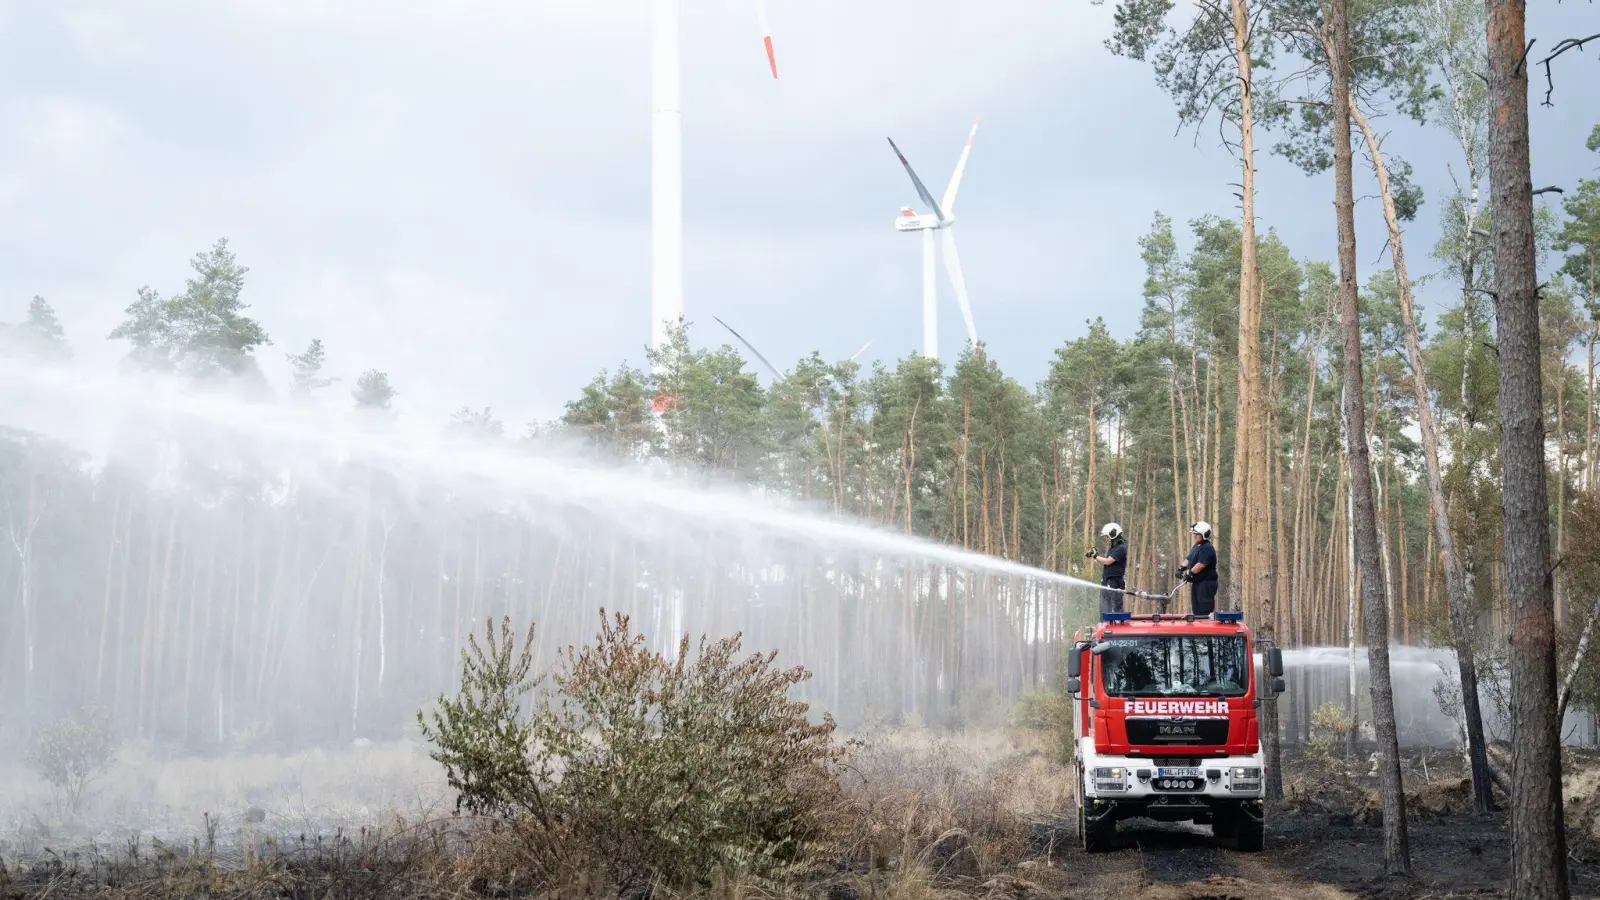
(766, 35)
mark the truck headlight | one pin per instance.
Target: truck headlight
(1246, 778)
(1110, 778)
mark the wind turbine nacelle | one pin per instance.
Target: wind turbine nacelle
(925, 222)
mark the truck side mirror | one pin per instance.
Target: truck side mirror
(1278, 686)
(1074, 686)
(1074, 663)
(1274, 662)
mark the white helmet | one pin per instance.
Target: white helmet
(1111, 530)
(1202, 528)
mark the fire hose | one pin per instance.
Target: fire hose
(1162, 599)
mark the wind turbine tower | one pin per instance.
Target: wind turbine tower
(941, 219)
(666, 165)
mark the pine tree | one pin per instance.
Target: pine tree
(38, 338)
(1538, 830)
(373, 390)
(202, 332)
(306, 370)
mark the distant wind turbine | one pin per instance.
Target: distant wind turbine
(666, 166)
(770, 367)
(941, 219)
(776, 375)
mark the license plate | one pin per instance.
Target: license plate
(1177, 773)
(1177, 784)
(1171, 730)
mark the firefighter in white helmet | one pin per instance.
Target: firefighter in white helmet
(1114, 566)
(1200, 570)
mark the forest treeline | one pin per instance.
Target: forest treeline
(1138, 429)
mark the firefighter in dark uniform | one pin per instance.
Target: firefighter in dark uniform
(1200, 570)
(1114, 566)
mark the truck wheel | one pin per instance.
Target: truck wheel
(1249, 834)
(1238, 830)
(1095, 837)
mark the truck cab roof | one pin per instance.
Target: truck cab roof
(1158, 623)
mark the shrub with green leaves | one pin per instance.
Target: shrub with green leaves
(70, 754)
(1331, 725)
(648, 768)
(1050, 713)
(483, 736)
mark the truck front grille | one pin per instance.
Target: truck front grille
(1188, 732)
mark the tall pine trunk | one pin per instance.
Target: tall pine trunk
(1243, 509)
(1588, 425)
(1263, 573)
(1350, 584)
(1538, 835)
(1089, 484)
(1396, 849)
(1455, 580)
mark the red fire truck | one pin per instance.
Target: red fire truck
(1165, 720)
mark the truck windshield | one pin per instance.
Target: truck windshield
(1175, 666)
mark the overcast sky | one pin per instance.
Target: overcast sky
(457, 191)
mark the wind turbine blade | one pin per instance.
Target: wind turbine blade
(922, 190)
(961, 166)
(952, 265)
(770, 367)
(766, 35)
(861, 351)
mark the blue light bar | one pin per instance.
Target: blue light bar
(1116, 616)
(1230, 616)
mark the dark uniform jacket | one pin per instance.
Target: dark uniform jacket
(1119, 565)
(1203, 552)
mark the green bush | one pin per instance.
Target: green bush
(73, 752)
(643, 767)
(1048, 712)
(482, 736)
(979, 707)
(1041, 710)
(1331, 725)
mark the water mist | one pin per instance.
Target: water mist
(217, 570)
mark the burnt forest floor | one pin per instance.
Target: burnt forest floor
(1324, 841)
(986, 815)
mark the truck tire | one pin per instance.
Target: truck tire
(1249, 834)
(1094, 837)
(1252, 835)
(1237, 830)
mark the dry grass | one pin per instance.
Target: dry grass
(929, 816)
(1580, 786)
(239, 798)
(435, 858)
(933, 809)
